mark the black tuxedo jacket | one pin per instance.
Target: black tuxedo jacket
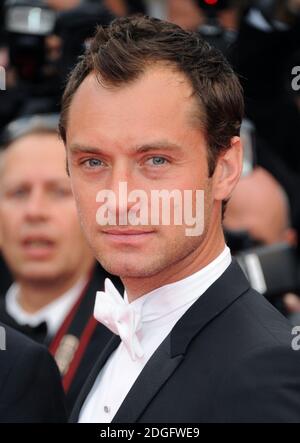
(228, 359)
(30, 386)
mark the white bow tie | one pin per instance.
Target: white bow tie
(120, 317)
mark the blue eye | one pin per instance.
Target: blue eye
(93, 163)
(157, 161)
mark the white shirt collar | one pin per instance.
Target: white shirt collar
(53, 314)
(167, 299)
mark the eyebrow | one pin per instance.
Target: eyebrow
(77, 148)
(48, 182)
(158, 145)
(138, 149)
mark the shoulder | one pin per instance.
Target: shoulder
(30, 386)
(262, 380)
(263, 385)
(21, 356)
(257, 317)
(15, 345)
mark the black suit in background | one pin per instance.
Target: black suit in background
(228, 359)
(30, 386)
(6, 278)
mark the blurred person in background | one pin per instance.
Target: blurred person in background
(260, 206)
(259, 209)
(186, 14)
(55, 278)
(63, 5)
(192, 14)
(216, 21)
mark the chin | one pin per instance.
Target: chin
(124, 271)
(40, 275)
(125, 268)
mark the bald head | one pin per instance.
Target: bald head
(260, 206)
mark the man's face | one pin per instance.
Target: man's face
(40, 234)
(144, 134)
(185, 14)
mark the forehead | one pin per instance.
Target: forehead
(34, 156)
(159, 104)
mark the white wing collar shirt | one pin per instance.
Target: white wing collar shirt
(53, 314)
(142, 325)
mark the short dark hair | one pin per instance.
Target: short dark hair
(120, 53)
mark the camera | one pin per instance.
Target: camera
(212, 31)
(213, 5)
(27, 23)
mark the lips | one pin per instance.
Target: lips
(38, 247)
(127, 236)
(126, 231)
(38, 240)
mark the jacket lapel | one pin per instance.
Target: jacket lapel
(218, 297)
(156, 372)
(170, 354)
(109, 348)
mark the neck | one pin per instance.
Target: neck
(35, 295)
(212, 246)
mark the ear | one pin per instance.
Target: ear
(228, 170)
(290, 236)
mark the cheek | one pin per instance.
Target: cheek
(193, 178)
(81, 199)
(85, 196)
(67, 220)
(86, 214)
(10, 224)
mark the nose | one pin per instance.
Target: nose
(120, 182)
(36, 209)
